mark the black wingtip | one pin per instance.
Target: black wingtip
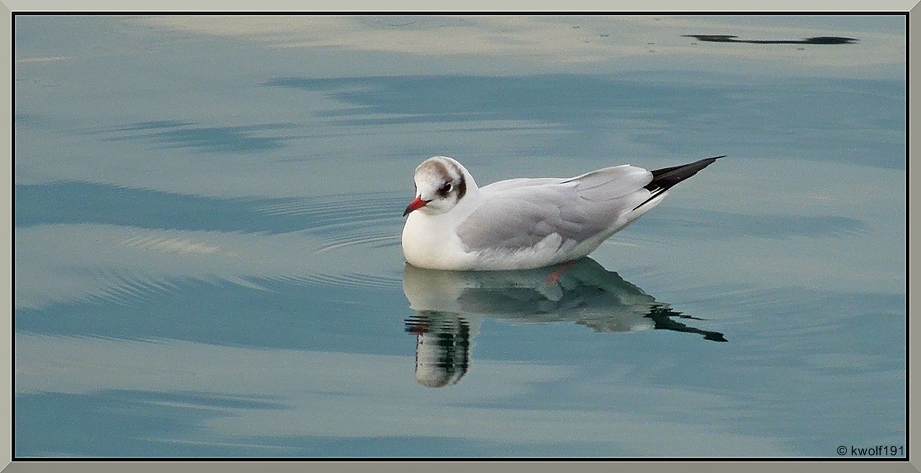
(663, 179)
(667, 177)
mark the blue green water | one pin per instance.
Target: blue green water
(207, 224)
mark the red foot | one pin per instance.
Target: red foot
(555, 276)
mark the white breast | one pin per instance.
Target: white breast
(431, 242)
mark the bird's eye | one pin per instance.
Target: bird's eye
(445, 189)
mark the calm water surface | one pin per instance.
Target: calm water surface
(207, 254)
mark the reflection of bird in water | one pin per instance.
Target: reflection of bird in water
(450, 306)
(442, 347)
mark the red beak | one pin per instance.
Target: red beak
(416, 204)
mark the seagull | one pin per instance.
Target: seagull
(525, 223)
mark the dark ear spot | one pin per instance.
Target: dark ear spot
(461, 187)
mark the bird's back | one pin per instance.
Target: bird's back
(554, 219)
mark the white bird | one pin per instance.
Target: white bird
(525, 223)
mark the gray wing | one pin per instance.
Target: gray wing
(523, 213)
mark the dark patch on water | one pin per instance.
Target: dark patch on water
(725, 38)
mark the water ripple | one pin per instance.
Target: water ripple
(351, 280)
(342, 241)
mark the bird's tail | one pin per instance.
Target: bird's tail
(665, 178)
